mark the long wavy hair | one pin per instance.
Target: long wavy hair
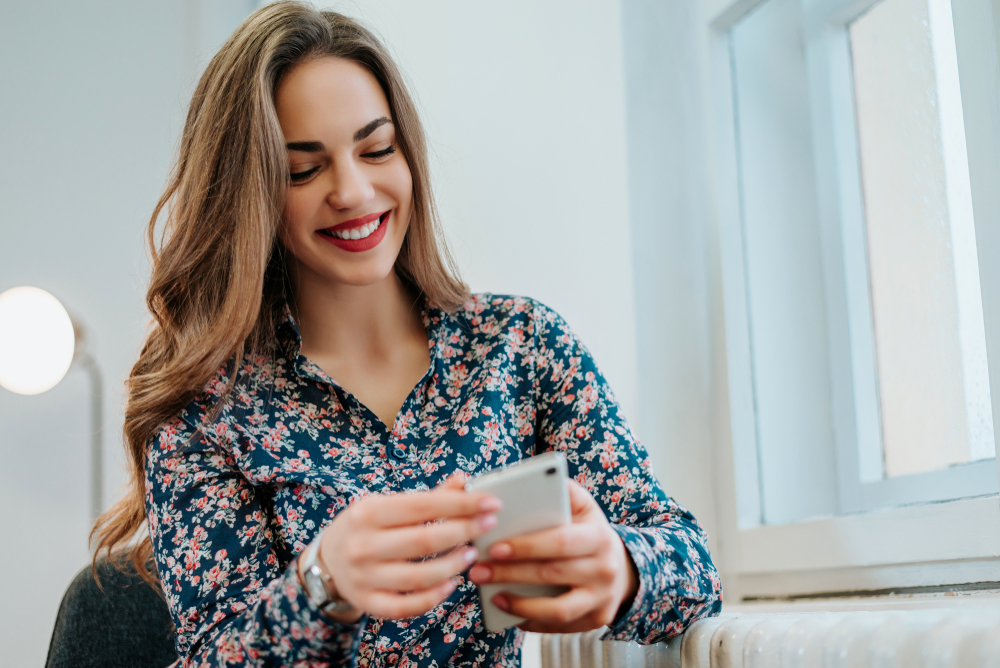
(218, 275)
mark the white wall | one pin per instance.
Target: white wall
(524, 104)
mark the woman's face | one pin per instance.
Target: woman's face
(351, 194)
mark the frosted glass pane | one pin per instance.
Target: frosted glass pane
(924, 277)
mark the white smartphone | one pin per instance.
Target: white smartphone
(535, 496)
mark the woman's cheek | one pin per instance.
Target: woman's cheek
(289, 216)
(295, 207)
(299, 212)
(400, 186)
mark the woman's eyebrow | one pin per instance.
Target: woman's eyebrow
(370, 128)
(317, 146)
(307, 146)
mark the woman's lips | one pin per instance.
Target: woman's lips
(358, 226)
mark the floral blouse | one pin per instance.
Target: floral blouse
(231, 501)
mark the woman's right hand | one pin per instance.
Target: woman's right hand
(373, 549)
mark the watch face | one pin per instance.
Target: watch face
(314, 586)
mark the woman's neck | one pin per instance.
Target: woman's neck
(338, 321)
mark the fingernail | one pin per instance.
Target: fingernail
(490, 504)
(480, 574)
(501, 551)
(501, 602)
(471, 555)
(487, 522)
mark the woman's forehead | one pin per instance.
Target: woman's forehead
(328, 99)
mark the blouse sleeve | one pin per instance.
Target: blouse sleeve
(230, 599)
(578, 415)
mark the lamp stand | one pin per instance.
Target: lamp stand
(89, 364)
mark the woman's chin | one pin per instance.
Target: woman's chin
(366, 275)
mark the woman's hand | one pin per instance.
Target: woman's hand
(372, 549)
(588, 555)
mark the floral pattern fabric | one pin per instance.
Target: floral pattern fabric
(232, 497)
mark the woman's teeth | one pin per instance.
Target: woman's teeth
(358, 232)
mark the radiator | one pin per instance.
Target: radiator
(940, 638)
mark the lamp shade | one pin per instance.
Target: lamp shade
(36, 340)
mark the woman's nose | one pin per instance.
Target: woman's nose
(349, 188)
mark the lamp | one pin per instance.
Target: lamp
(39, 343)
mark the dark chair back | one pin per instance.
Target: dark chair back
(125, 624)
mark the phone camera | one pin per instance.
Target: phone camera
(550, 471)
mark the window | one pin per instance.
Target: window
(857, 148)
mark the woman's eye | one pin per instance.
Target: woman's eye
(384, 153)
(302, 176)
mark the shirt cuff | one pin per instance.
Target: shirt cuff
(665, 603)
(638, 549)
(310, 631)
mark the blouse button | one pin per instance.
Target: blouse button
(398, 453)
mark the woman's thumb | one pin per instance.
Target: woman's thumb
(455, 481)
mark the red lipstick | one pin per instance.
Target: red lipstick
(360, 226)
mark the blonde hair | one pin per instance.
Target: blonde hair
(218, 274)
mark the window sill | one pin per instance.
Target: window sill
(936, 544)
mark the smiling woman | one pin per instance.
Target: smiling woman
(318, 383)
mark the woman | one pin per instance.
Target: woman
(318, 382)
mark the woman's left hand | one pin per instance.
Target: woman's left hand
(587, 555)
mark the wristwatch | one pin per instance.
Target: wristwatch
(318, 583)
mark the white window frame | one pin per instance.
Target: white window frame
(859, 443)
(933, 544)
